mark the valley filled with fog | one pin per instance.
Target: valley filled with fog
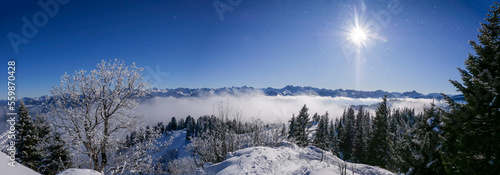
(273, 109)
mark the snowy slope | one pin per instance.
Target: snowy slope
(74, 171)
(19, 169)
(286, 159)
(177, 146)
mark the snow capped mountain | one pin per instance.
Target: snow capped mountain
(288, 91)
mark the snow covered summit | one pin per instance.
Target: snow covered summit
(288, 158)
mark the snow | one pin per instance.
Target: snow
(286, 159)
(74, 171)
(178, 143)
(18, 169)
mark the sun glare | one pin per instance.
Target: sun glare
(358, 36)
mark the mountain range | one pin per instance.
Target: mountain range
(285, 91)
(291, 91)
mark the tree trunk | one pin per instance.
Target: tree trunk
(104, 158)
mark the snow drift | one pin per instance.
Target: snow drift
(18, 169)
(288, 158)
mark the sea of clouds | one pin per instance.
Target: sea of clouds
(268, 108)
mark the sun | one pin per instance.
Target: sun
(358, 36)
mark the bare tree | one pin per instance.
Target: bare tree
(95, 109)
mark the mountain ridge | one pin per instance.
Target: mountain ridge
(288, 90)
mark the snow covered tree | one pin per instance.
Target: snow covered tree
(472, 130)
(182, 124)
(315, 119)
(362, 125)
(56, 155)
(301, 127)
(321, 136)
(190, 127)
(173, 124)
(138, 158)
(332, 136)
(95, 109)
(380, 145)
(291, 131)
(346, 144)
(27, 139)
(421, 150)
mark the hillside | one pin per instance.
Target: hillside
(18, 169)
(286, 159)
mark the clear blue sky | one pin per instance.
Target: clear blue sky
(412, 45)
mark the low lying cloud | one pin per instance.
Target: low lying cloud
(268, 108)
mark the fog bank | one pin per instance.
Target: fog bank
(268, 108)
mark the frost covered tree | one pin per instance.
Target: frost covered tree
(301, 135)
(420, 152)
(292, 128)
(361, 137)
(190, 127)
(321, 136)
(56, 156)
(346, 144)
(380, 146)
(95, 109)
(27, 139)
(472, 130)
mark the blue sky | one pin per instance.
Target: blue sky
(411, 45)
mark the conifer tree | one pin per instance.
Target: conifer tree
(173, 124)
(321, 136)
(291, 131)
(56, 156)
(380, 145)
(472, 130)
(190, 127)
(348, 133)
(361, 137)
(27, 139)
(332, 136)
(421, 152)
(301, 127)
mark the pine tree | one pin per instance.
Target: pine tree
(182, 124)
(361, 137)
(321, 136)
(349, 132)
(301, 127)
(190, 127)
(56, 155)
(380, 145)
(291, 131)
(27, 139)
(472, 130)
(422, 149)
(332, 136)
(283, 131)
(340, 129)
(173, 124)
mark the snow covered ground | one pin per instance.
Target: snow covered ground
(17, 170)
(74, 171)
(286, 159)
